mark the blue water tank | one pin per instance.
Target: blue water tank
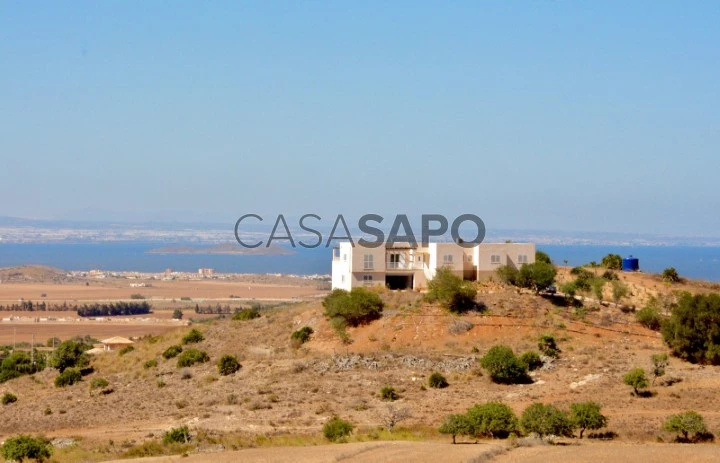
(630, 264)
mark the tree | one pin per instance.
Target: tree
(504, 367)
(692, 329)
(70, 354)
(177, 314)
(660, 361)
(357, 307)
(393, 415)
(612, 262)
(228, 364)
(548, 346)
(546, 420)
(536, 276)
(21, 447)
(451, 291)
(492, 419)
(685, 423)
(636, 379)
(337, 429)
(671, 275)
(456, 425)
(541, 256)
(586, 415)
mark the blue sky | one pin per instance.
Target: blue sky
(596, 116)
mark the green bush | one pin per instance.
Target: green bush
(612, 262)
(536, 276)
(68, 377)
(541, 256)
(246, 314)
(228, 364)
(388, 393)
(125, 350)
(492, 419)
(190, 357)
(451, 291)
(193, 337)
(177, 314)
(671, 275)
(22, 447)
(99, 383)
(437, 381)
(686, 423)
(504, 367)
(137, 296)
(337, 429)
(660, 361)
(8, 398)
(546, 420)
(172, 352)
(548, 346)
(152, 363)
(507, 274)
(357, 307)
(692, 329)
(301, 336)
(70, 354)
(586, 415)
(179, 435)
(531, 360)
(456, 425)
(636, 379)
(649, 317)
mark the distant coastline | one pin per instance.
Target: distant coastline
(224, 249)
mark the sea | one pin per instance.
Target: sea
(696, 262)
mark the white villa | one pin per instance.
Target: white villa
(405, 266)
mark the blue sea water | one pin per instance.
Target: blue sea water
(691, 262)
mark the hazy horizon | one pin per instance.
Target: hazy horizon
(534, 116)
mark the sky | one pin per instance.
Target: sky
(559, 115)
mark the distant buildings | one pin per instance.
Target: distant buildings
(403, 266)
(206, 272)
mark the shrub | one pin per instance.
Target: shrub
(125, 350)
(636, 379)
(546, 420)
(54, 341)
(612, 262)
(8, 398)
(541, 256)
(152, 363)
(21, 447)
(137, 296)
(504, 367)
(193, 337)
(357, 307)
(492, 419)
(649, 317)
(660, 361)
(190, 357)
(437, 381)
(177, 314)
(536, 276)
(228, 364)
(609, 275)
(685, 423)
(301, 336)
(460, 326)
(99, 383)
(671, 275)
(172, 352)
(388, 393)
(586, 415)
(456, 425)
(451, 291)
(179, 435)
(337, 429)
(531, 360)
(507, 274)
(246, 314)
(548, 346)
(691, 331)
(68, 378)
(619, 291)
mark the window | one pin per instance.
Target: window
(367, 278)
(495, 259)
(345, 257)
(368, 261)
(522, 259)
(394, 261)
(342, 278)
(447, 259)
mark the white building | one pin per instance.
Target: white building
(404, 266)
